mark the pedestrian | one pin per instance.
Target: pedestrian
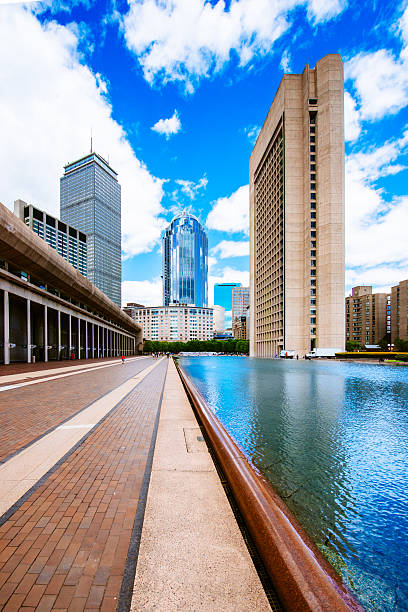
(123, 359)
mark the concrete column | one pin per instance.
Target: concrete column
(97, 343)
(45, 333)
(79, 338)
(103, 342)
(59, 333)
(6, 328)
(28, 331)
(69, 336)
(86, 339)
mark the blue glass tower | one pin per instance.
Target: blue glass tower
(185, 262)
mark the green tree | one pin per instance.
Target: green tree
(400, 345)
(352, 345)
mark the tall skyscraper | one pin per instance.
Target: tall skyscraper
(90, 199)
(240, 302)
(297, 215)
(185, 262)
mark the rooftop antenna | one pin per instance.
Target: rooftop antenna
(91, 141)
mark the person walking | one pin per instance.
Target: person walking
(123, 359)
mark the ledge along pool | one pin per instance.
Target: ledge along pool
(332, 439)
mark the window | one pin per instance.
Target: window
(312, 138)
(313, 224)
(313, 205)
(313, 234)
(312, 196)
(313, 215)
(313, 186)
(312, 149)
(313, 167)
(312, 158)
(313, 101)
(312, 253)
(312, 177)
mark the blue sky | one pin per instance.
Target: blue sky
(175, 92)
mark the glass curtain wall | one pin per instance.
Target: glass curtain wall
(185, 262)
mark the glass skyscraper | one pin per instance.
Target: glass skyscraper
(90, 199)
(185, 262)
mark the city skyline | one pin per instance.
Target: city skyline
(180, 133)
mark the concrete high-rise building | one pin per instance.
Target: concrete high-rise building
(68, 241)
(90, 199)
(185, 262)
(367, 316)
(219, 318)
(399, 311)
(240, 302)
(297, 215)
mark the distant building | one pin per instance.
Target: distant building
(240, 302)
(70, 243)
(399, 311)
(239, 328)
(219, 318)
(367, 316)
(90, 199)
(185, 262)
(223, 297)
(174, 323)
(296, 174)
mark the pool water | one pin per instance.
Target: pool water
(332, 439)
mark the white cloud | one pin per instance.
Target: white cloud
(186, 40)
(375, 228)
(227, 275)
(231, 214)
(231, 248)
(381, 83)
(352, 125)
(285, 61)
(49, 102)
(146, 292)
(190, 188)
(322, 10)
(381, 278)
(168, 127)
(252, 131)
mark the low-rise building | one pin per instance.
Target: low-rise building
(70, 243)
(399, 311)
(367, 316)
(173, 323)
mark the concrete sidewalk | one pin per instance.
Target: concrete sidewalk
(192, 555)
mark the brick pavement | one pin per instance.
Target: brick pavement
(29, 412)
(21, 368)
(66, 547)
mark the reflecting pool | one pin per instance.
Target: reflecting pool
(332, 439)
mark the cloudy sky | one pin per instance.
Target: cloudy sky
(175, 92)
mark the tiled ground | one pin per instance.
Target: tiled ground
(20, 368)
(65, 548)
(29, 412)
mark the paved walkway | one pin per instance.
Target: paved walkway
(25, 416)
(65, 547)
(81, 528)
(192, 554)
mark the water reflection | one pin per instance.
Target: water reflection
(332, 438)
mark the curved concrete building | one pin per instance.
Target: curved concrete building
(48, 309)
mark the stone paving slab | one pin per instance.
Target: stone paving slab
(66, 546)
(26, 413)
(192, 554)
(28, 368)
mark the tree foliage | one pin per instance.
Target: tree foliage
(400, 344)
(197, 346)
(352, 345)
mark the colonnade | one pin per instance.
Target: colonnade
(34, 328)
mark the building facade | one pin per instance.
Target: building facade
(70, 243)
(48, 310)
(174, 323)
(399, 311)
(368, 318)
(297, 215)
(223, 297)
(90, 200)
(185, 262)
(240, 302)
(240, 328)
